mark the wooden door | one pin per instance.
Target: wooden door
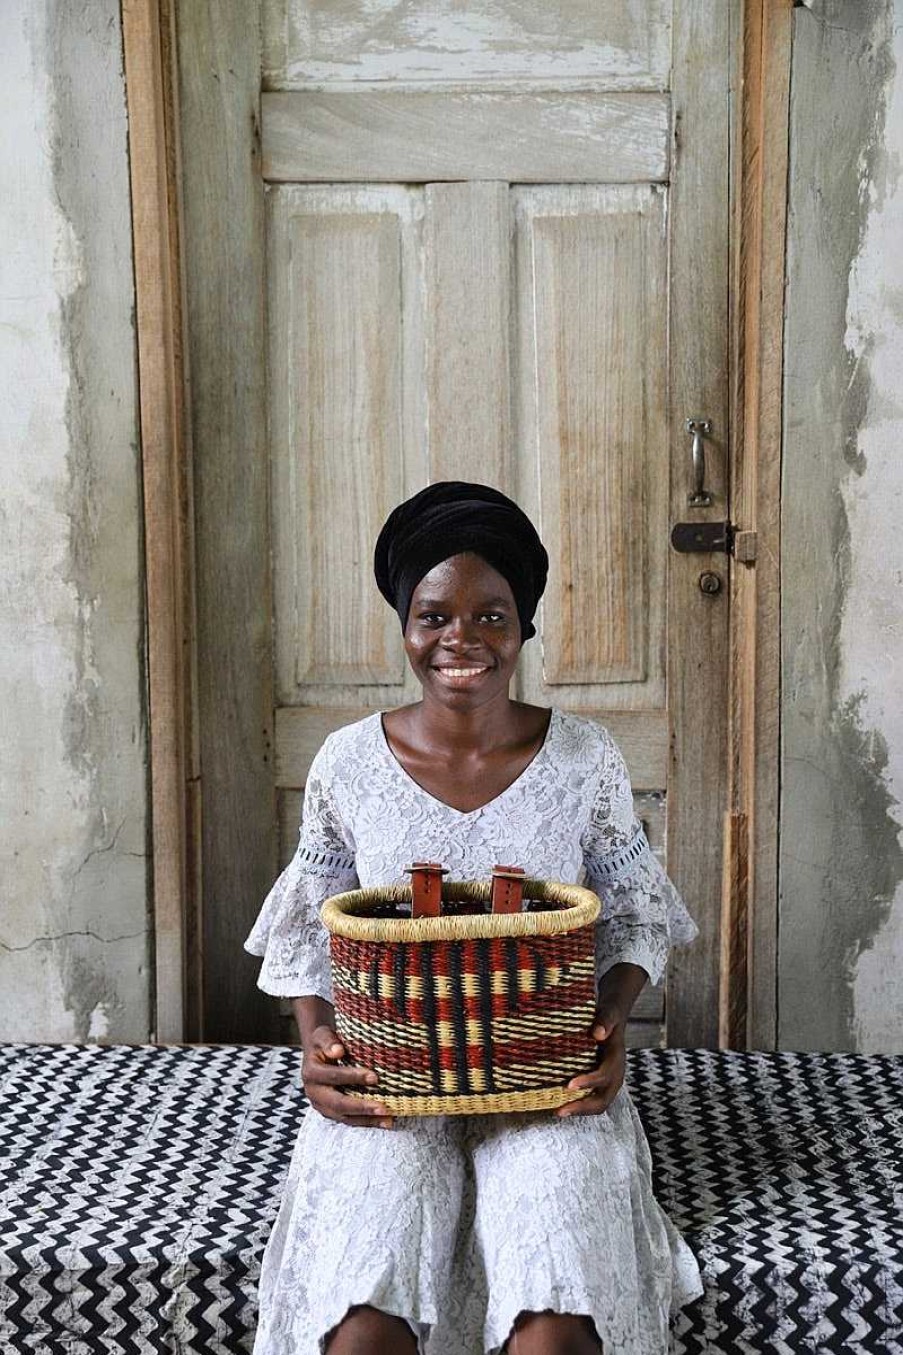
(495, 249)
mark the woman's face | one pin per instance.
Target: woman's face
(462, 636)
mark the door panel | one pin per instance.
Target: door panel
(346, 423)
(497, 243)
(591, 383)
(371, 137)
(621, 44)
(467, 321)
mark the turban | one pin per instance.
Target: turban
(452, 517)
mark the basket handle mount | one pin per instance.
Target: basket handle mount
(507, 889)
(426, 888)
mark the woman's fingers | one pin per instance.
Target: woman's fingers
(325, 1081)
(603, 1083)
(603, 1086)
(340, 1075)
(335, 1105)
(593, 1104)
(612, 1065)
(607, 1087)
(326, 1043)
(321, 1063)
(606, 1020)
(599, 1077)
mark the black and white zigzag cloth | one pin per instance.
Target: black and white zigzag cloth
(138, 1186)
(785, 1174)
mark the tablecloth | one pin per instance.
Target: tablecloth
(138, 1185)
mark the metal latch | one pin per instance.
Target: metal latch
(707, 537)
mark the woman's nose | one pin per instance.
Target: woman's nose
(460, 632)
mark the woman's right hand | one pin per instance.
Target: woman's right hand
(326, 1079)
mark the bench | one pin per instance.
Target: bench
(138, 1185)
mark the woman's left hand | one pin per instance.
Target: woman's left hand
(605, 1081)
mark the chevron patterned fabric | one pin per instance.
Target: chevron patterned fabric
(138, 1185)
(785, 1174)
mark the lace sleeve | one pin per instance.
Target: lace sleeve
(642, 913)
(288, 932)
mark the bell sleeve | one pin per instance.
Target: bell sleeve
(289, 933)
(642, 915)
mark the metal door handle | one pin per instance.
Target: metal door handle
(700, 496)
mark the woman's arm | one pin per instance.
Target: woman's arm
(311, 1012)
(643, 914)
(619, 988)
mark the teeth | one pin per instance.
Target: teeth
(462, 672)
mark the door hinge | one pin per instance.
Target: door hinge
(708, 537)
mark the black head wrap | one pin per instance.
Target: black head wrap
(447, 519)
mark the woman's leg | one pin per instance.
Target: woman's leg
(367, 1224)
(367, 1331)
(553, 1334)
(562, 1230)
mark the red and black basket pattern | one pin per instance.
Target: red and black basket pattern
(465, 1024)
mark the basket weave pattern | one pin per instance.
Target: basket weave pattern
(466, 1014)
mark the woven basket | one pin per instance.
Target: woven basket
(470, 1011)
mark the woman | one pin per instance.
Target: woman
(533, 1233)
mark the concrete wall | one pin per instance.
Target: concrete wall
(73, 863)
(841, 928)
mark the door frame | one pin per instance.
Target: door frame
(199, 303)
(168, 519)
(749, 922)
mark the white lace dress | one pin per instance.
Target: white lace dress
(458, 1224)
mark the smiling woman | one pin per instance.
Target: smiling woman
(463, 624)
(462, 639)
(529, 1233)
(451, 518)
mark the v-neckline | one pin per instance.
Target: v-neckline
(537, 758)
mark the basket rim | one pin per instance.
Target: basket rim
(581, 908)
(479, 1103)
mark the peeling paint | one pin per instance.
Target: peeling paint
(99, 1024)
(840, 854)
(73, 921)
(871, 635)
(328, 43)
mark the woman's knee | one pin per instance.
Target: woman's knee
(550, 1333)
(368, 1331)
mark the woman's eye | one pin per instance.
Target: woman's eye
(440, 619)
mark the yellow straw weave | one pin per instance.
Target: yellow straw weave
(346, 914)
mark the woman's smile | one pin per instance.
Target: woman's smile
(463, 634)
(457, 674)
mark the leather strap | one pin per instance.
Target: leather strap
(507, 889)
(426, 888)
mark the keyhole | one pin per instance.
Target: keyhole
(710, 583)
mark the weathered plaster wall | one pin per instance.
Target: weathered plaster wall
(841, 915)
(73, 889)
